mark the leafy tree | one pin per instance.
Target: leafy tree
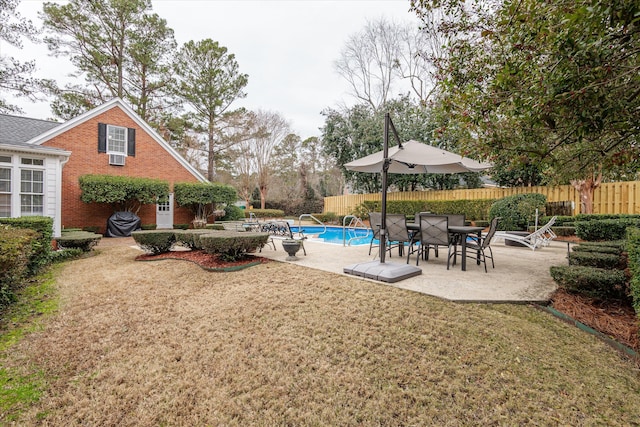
(208, 81)
(359, 131)
(203, 198)
(122, 192)
(117, 46)
(15, 76)
(555, 83)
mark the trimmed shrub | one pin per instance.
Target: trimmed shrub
(232, 213)
(190, 238)
(591, 281)
(82, 240)
(148, 226)
(633, 251)
(156, 241)
(618, 244)
(517, 212)
(264, 213)
(606, 229)
(232, 245)
(472, 209)
(181, 226)
(65, 254)
(41, 246)
(214, 227)
(596, 259)
(16, 248)
(598, 249)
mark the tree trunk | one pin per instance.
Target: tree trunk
(210, 156)
(586, 188)
(263, 196)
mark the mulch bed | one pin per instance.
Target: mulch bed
(210, 262)
(616, 319)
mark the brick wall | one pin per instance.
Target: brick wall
(150, 161)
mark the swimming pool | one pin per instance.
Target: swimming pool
(353, 236)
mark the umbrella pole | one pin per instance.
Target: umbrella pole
(385, 169)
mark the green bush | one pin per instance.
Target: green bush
(232, 213)
(598, 249)
(606, 229)
(16, 248)
(215, 226)
(591, 281)
(201, 198)
(65, 254)
(633, 252)
(264, 213)
(599, 217)
(232, 245)
(82, 240)
(618, 244)
(154, 241)
(517, 212)
(123, 193)
(190, 238)
(148, 226)
(41, 246)
(181, 226)
(596, 259)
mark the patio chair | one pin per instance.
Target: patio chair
(433, 233)
(375, 219)
(397, 232)
(477, 246)
(541, 237)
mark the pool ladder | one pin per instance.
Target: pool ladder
(300, 232)
(353, 224)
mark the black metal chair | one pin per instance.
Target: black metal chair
(477, 247)
(433, 233)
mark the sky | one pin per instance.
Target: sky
(287, 47)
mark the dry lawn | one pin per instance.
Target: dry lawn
(167, 343)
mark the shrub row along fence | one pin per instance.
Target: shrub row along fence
(609, 198)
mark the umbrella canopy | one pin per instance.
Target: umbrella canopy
(413, 157)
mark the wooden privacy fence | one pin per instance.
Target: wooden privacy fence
(609, 198)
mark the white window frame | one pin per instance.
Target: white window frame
(32, 165)
(115, 152)
(6, 194)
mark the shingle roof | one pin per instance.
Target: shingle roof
(14, 129)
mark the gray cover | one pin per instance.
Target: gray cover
(121, 224)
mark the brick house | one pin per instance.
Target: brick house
(41, 161)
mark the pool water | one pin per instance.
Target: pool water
(353, 236)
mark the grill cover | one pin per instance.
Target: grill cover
(121, 224)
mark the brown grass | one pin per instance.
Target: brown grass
(167, 343)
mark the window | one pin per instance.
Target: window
(29, 161)
(31, 192)
(5, 159)
(5, 192)
(117, 141)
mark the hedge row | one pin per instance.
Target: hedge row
(472, 209)
(596, 270)
(633, 259)
(605, 229)
(41, 245)
(16, 247)
(229, 245)
(264, 213)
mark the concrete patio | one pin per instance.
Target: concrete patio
(520, 276)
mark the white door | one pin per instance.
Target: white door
(164, 213)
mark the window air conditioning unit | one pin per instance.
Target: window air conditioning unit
(116, 159)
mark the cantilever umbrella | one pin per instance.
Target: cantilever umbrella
(411, 157)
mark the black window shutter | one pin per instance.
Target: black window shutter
(102, 138)
(131, 142)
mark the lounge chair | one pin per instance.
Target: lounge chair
(541, 237)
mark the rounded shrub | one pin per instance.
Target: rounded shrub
(518, 211)
(154, 241)
(591, 281)
(233, 213)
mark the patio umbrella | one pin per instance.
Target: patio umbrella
(412, 157)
